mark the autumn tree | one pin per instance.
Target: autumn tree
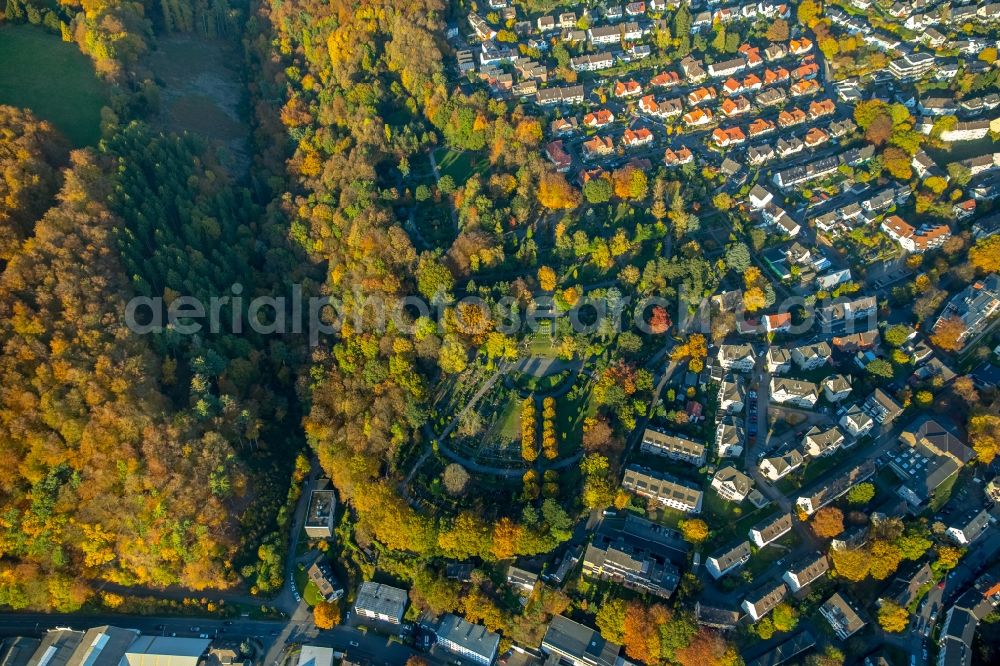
(948, 334)
(546, 278)
(984, 435)
(885, 559)
(851, 563)
(694, 530)
(892, 617)
(777, 31)
(555, 193)
(828, 522)
(610, 620)
(985, 254)
(659, 320)
(326, 615)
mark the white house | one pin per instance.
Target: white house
(779, 360)
(836, 388)
(820, 442)
(728, 559)
(856, 422)
(810, 357)
(771, 529)
(740, 358)
(796, 392)
(761, 602)
(777, 467)
(732, 484)
(806, 571)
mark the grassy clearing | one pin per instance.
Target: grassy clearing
(53, 79)
(459, 164)
(510, 420)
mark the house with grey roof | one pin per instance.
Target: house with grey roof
(728, 559)
(467, 640)
(381, 602)
(763, 600)
(575, 644)
(771, 529)
(806, 571)
(841, 616)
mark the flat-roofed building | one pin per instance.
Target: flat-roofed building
(381, 602)
(467, 640)
(165, 651)
(322, 505)
(577, 644)
(841, 616)
(315, 655)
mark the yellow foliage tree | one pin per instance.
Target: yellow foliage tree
(326, 615)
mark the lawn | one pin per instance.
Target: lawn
(53, 79)
(459, 164)
(510, 420)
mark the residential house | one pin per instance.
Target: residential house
(779, 360)
(592, 62)
(974, 306)
(732, 393)
(796, 392)
(770, 530)
(739, 358)
(729, 137)
(821, 108)
(469, 641)
(598, 146)
(760, 155)
(726, 67)
(882, 407)
(663, 488)
(846, 312)
(800, 46)
(715, 617)
(821, 442)
(810, 357)
(836, 387)
(626, 89)
(560, 95)
(841, 616)
(969, 526)
(775, 323)
(732, 484)
(521, 580)
(806, 571)
(824, 493)
(574, 644)
(635, 138)
(558, 156)
(762, 601)
(856, 423)
(698, 117)
(777, 467)
(728, 559)
(702, 95)
(674, 447)
(760, 127)
(636, 555)
(760, 198)
(676, 158)
(321, 575)
(729, 437)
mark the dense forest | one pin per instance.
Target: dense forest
(141, 460)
